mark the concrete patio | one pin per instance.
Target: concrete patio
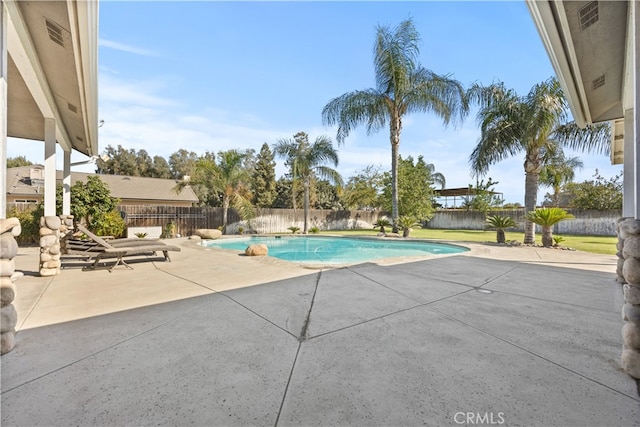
(498, 335)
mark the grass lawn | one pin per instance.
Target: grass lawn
(595, 244)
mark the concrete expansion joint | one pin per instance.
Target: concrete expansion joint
(307, 320)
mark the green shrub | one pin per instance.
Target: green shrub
(29, 223)
(293, 229)
(141, 235)
(314, 230)
(108, 224)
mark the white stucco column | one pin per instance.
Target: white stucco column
(3, 111)
(635, 154)
(49, 167)
(629, 168)
(66, 184)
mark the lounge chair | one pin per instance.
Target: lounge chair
(98, 248)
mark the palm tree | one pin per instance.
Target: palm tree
(547, 218)
(436, 177)
(533, 124)
(559, 171)
(500, 223)
(306, 161)
(229, 178)
(402, 86)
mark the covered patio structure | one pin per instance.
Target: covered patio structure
(593, 47)
(48, 92)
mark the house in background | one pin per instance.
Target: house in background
(26, 185)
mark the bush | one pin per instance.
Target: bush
(29, 223)
(108, 224)
(314, 230)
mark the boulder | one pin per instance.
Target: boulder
(7, 342)
(631, 270)
(208, 233)
(630, 362)
(8, 224)
(256, 250)
(8, 246)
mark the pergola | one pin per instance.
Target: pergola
(49, 84)
(462, 192)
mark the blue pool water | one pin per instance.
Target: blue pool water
(335, 250)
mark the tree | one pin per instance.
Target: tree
(16, 162)
(182, 163)
(228, 180)
(307, 161)
(533, 124)
(161, 168)
(598, 194)
(284, 195)
(415, 191)
(500, 224)
(483, 197)
(121, 162)
(327, 196)
(403, 86)
(363, 190)
(264, 178)
(90, 200)
(557, 172)
(547, 218)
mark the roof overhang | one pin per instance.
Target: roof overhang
(53, 71)
(587, 44)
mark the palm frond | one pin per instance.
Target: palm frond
(367, 107)
(591, 139)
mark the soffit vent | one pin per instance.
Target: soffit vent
(598, 82)
(589, 15)
(72, 108)
(55, 32)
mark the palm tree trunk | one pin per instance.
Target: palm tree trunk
(547, 236)
(306, 206)
(395, 128)
(225, 211)
(500, 236)
(532, 167)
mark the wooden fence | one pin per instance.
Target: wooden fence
(188, 220)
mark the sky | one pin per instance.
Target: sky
(213, 75)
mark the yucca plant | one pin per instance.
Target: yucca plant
(547, 218)
(293, 229)
(406, 223)
(381, 223)
(500, 223)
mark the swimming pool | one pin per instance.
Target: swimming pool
(335, 250)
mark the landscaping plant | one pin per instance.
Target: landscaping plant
(547, 218)
(500, 224)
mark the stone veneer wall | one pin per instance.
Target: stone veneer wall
(51, 229)
(628, 272)
(9, 229)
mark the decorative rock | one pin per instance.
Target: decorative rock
(392, 235)
(629, 227)
(53, 222)
(631, 335)
(630, 362)
(620, 244)
(15, 276)
(7, 267)
(194, 237)
(55, 257)
(7, 291)
(16, 230)
(631, 294)
(8, 318)
(208, 233)
(632, 313)
(7, 342)
(51, 264)
(631, 247)
(256, 250)
(631, 270)
(45, 272)
(8, 224)
(44, 257)
(54, 249)
(47, 241)
(8, 246)
(46, 231)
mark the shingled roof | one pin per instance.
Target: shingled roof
(24, 181)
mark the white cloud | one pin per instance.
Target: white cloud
(110, 44)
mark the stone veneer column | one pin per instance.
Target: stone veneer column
(50, 245)
(66, 227)
(9, 229)
(629, 274)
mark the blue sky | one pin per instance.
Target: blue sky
(210, 76)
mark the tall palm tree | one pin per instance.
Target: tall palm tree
(402, 86)
(307, 161)
(559, 171)
(436, 177)
(534, 124)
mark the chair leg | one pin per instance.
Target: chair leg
(166, 256)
